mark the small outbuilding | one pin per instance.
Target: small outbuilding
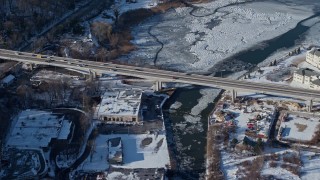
(5, 82)
(115, 150)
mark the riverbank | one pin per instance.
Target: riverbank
(214, 137)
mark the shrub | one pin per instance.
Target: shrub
(273, 164)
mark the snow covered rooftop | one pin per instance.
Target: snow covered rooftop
(307, 72)
(153, 155)
(35, 129)
(98, 159)
(65, 130)
(120, 102)
(315, 51)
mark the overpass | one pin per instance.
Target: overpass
(162, 75)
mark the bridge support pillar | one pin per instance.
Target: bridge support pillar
(233, 95)
(309, 106)
(158, 85)
(92, 75)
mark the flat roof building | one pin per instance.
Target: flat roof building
(120, 106)
(308, 77)
(36, 129)
(7, 80)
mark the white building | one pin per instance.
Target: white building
(120, 106)
(308, 77)
(313, 57)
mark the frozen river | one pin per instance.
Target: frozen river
(231, 35)
(186, 123)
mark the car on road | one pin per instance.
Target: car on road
(40, 56)
(18, 53)
(174, 77)
(49, 60)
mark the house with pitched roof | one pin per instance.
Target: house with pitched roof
(308, 77)
(313, 57)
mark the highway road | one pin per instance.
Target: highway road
(161, 75)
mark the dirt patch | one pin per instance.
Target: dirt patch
(293, 159)
(251, 169)
(301, 127)
(273, 164)
(290, 168)
(316, 137)
(213, 152)
(145, 142)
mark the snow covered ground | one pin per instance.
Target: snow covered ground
(310, 168)
(281, 73)
(236, 163)
(119, 175)
(233, 164)
(299, 127)
(24, 163)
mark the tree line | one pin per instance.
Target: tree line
(22, 19)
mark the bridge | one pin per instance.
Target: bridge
(160, 76)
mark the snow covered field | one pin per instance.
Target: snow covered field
(211, 32)
(299, 127)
